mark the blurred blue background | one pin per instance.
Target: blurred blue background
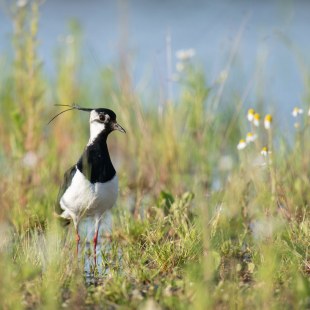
(264, 45)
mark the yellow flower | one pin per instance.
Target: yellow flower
(251, 114)
(268, 121)
(241, 145)
(256, 119)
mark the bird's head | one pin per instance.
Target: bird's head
(103, 120)
(100, 120)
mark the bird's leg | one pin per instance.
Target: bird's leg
(95, 247)
(96, 239)
(77, 238)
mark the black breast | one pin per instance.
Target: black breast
(95, 162)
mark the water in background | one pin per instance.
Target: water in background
(269, 59)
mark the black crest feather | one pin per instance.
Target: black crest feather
(71, 107)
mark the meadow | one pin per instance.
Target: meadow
(203, 220)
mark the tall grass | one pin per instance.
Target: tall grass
(198, 224)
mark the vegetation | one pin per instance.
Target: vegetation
(198, 224)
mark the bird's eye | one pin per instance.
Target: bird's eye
(102, 117)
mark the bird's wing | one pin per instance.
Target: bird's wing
(68, 176)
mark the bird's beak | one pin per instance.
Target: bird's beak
(117, 126)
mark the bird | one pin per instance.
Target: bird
(90, 186)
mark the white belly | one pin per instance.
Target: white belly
(82, 198)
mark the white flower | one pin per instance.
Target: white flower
(241, 145)
(250, 137)
(185, 54)
(296, 111)
(309, 112)
(256, 120)
(250, 115)
(265, 151)
(268, 121)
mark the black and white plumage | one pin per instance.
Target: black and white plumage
(90, 187)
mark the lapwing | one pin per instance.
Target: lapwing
(90, 186)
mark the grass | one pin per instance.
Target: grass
(198, 224)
